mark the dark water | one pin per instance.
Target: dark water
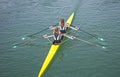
(74, 59)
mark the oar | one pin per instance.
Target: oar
(90, 43)
(25, 42)
(47, 37)
(31, 35)
(95, 36)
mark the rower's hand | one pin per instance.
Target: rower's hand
(67, 24)
(45, 35)
(77, 28)
(51, 27)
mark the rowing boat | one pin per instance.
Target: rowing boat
(53, 50)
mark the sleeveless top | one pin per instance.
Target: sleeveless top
(62, 28)
(56, 36)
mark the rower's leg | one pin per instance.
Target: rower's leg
(54, 42)
(62, 37)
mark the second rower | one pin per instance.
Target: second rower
(62, 28)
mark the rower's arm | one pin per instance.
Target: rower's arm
(47, 36)
(69, 36)
(74, 28)
(52, 27)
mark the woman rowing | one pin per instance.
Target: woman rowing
(57, 38)
(62, 26)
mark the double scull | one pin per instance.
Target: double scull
(53, 50)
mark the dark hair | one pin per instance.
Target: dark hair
(56, 30)
(62, 21)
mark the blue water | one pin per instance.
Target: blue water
(19, 18)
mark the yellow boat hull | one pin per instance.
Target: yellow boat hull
(53, 51)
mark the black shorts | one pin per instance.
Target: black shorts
(63, 31)
(56, 41)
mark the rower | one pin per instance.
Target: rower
(56, 34)
(62, 26)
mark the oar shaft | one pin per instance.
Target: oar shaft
(92, 35)
(31, 35)
(86, 41)
(39, 31)
(88, 33)
(76, 28)
(26, 42)
(73, 37)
